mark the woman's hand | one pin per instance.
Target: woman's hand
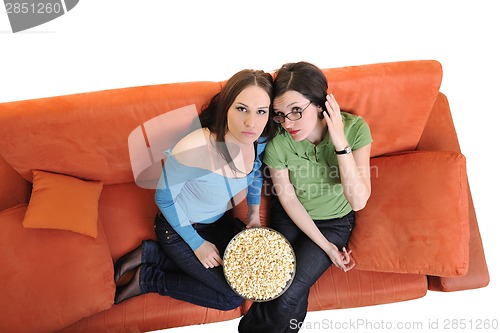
(253, 216)
(354, 168)
(208, 255)
(334, 122)
(342, 260)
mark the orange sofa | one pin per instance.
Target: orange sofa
(70, 204)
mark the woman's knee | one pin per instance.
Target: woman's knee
(232, 302)
(289, 300)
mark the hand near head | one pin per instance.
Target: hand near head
(208, 255)
(342, 260)
(334, 122)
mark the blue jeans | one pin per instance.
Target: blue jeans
(170, 267)
(287, 311)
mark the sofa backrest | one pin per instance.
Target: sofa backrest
(86, 135)
(394, 98)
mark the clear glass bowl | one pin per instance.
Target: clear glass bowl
(259, 264)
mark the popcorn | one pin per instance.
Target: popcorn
(259, 264)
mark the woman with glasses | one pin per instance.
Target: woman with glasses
(319, 165)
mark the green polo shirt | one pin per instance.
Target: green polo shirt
(314, 170)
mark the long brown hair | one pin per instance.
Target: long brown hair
(214, 115)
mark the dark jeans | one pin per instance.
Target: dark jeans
(285, 313)
(170, 267)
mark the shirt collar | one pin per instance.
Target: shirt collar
(304, 148)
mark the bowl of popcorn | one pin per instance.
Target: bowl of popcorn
(259, 264)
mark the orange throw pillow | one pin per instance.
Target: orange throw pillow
(63, 202)
(416, 220)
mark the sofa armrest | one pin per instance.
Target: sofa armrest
(440, 135)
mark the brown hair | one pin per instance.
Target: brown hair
(214, 115)
(305, 78)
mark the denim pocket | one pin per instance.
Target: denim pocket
(350, 221)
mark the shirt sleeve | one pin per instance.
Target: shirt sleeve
(274, 156)
(255, 186)
(172, 182)
(363, 135)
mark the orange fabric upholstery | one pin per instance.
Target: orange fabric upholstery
(477, 275)
(361, 288)
(395, 105)
(414, 203)
(57, 129)
(358, 288)
(147, 313)
(63, 202)
(126, 228)
(15, 189)
(440, 135)
(50, 278)
(57, 280)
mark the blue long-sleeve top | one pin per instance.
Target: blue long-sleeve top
(187, 194)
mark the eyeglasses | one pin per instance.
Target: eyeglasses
(294, 115)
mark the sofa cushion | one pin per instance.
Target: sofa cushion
(127, 213)
(394, 98)
(152, 312)
(63, 202)
(50, 278)
(416, 220)
(86, 135)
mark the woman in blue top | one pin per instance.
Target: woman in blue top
(201, 176)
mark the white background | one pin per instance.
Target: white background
(120, 43)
